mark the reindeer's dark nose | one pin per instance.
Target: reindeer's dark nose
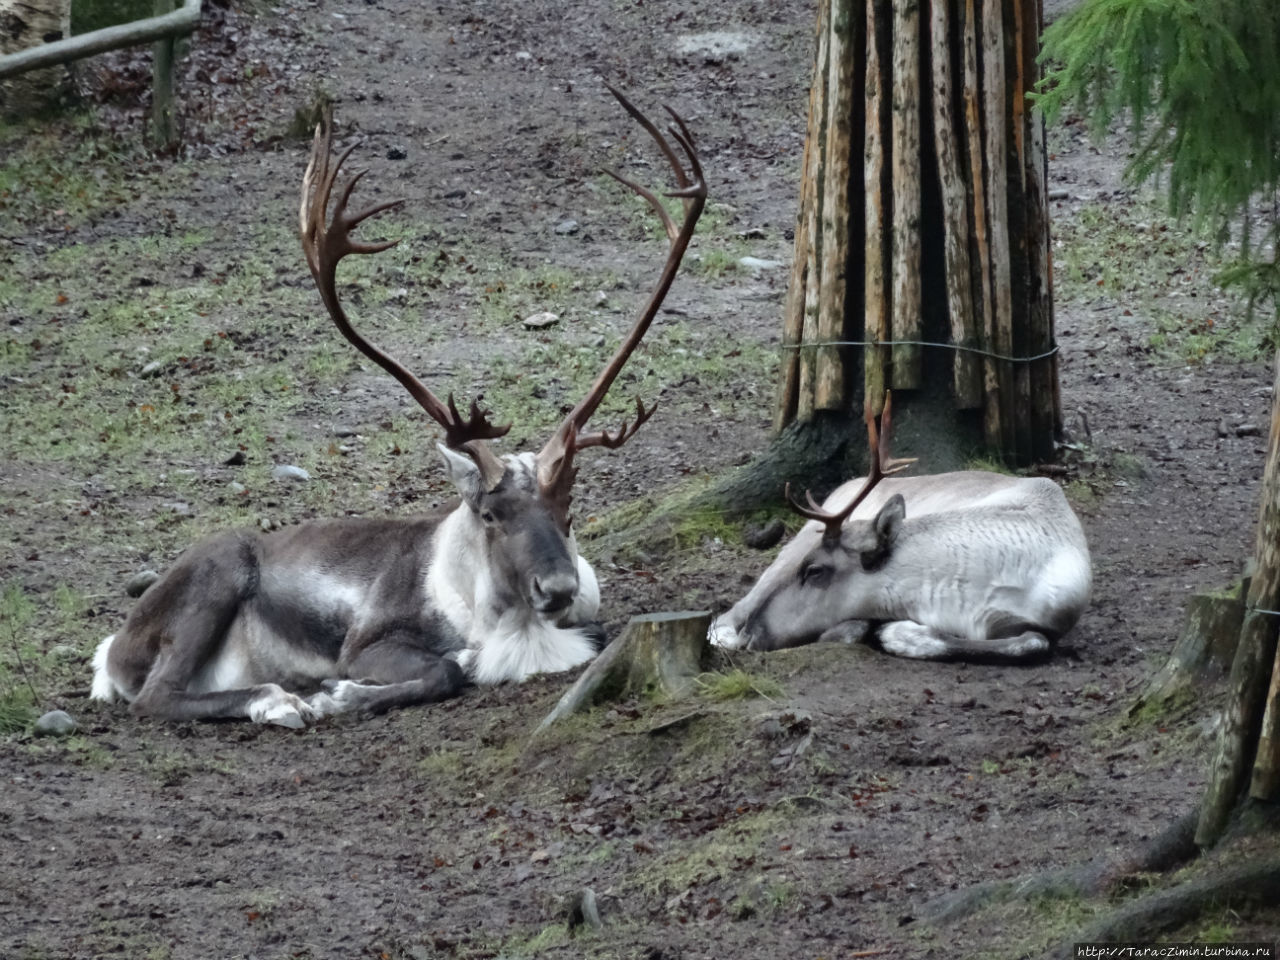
(554, 592)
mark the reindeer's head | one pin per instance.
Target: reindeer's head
(824, 576)
(522, 502)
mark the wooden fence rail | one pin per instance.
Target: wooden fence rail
(162, 30)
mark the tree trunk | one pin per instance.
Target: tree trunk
(25, 24)
(1249, 736)
(946, 242)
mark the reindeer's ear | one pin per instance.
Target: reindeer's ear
(465, 475)
(881, 533)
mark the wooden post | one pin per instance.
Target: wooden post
(955, 215)
(1243, 717)
(905, 263)
(875, 237)
(830, 388)
(163, 131)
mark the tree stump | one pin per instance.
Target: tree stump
(656, 654)
(1204, 649)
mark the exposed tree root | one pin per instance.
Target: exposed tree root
(1256, 884)
(1173, 847)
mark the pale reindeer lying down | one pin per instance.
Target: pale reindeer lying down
(965, 566)
(340, 615)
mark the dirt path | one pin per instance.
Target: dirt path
(812, 823)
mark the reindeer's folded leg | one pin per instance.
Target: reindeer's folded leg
(905, 638)
(849, 631)
(392, 672)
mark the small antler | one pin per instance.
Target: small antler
(555, 460)
(325, 244)
(882, 465)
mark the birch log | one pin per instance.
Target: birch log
(25, 24)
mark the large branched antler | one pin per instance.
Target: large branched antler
(555, 461)
(326, 243)
(882, 465)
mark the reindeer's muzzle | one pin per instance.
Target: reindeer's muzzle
(554, 593)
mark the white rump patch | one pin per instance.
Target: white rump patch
(275, 705)
(104, 688)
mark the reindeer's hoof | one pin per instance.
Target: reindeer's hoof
(722, 634)
(339, 696)
(281, 708)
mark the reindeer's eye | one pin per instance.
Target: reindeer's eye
(815, 574)
(487, 516)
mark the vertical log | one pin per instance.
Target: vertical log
(793, 309)
(1254, 659)
(967, 382)
(1045, 404)
(814, 172)
(875, 292)
(1264, 593)
(1020, 241)
(1000, 333)
(905, 151)
(793, 354)
(982, 248)
(830, 387)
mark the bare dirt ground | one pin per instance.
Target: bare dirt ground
(816, 822)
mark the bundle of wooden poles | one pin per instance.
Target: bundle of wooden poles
(923, 218)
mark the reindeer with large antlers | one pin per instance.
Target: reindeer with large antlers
(966, 565)
(340, 615)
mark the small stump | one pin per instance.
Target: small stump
(656, 653)
(1204, 649)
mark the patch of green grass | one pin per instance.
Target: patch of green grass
(441, 762)
(716, 261)
(1136, 254)
(1220, 930)
(1081, 494)
(548, 938)
(1191, 336)
(722, 853)
(16, 713)
(738, 684)
(61, 173)
(1128, 466)
(988, 464)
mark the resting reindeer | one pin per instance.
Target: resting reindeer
(966, 565)
(390, 612)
